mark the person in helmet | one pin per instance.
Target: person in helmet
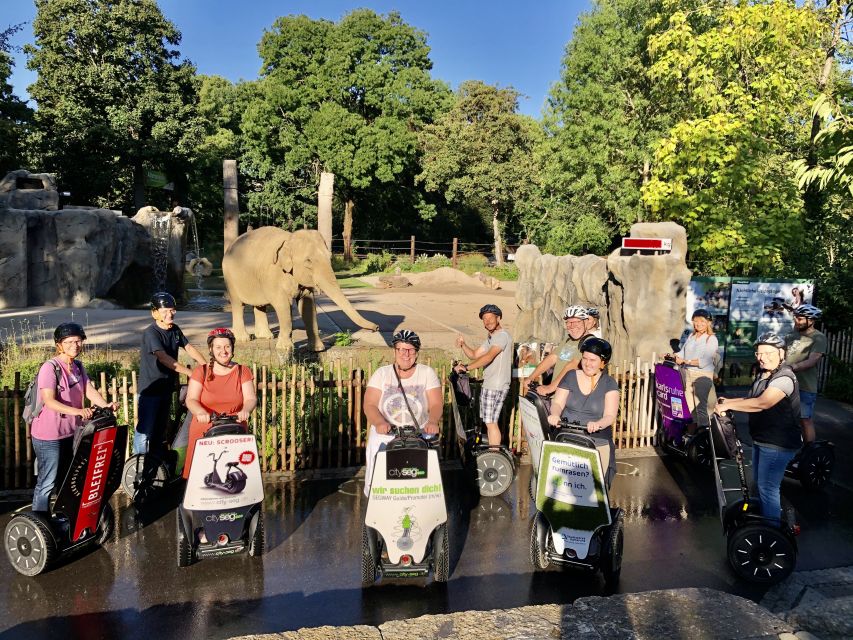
(590, 397)
(697, 361)
(566, 357)
(220, 386)
(385, 403)
(773, 405)
(63, 386)
(158, 372)
(805, 348)
(495, 356)
(592, 325)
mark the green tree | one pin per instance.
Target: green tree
(113, 98)
(601, 124)
(346, 98)
(481, 152)
(14, 114)
(724, 170)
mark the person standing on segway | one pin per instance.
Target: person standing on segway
(158, 373)
(221, 386)
(63, 385)
(773, 404)
(696, 359)
(590, 397)
(384, 402)
(495, 355)
(566, 357)
(805, 348)
(592, 326)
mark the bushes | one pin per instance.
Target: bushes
(376, 262)
(839, 386)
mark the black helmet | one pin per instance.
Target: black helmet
(409, 337)
(598, 346)
(163, 300)
(770, 339)
(491, 308)
(66, 330)
(592, 312)
(221, 332)
(808, 311)
(701, 313)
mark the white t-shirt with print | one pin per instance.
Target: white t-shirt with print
(391, 404)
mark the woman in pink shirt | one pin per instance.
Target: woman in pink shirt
(63, 385)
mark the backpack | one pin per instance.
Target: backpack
(33, 403)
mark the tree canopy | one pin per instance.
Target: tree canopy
(14, 114)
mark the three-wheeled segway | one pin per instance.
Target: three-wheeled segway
(494, 466)
(675, 416)
(220, 514)
(574, 524)
(81, 516)
(405, 527)
(758, 549)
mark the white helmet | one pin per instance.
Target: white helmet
(575, 311)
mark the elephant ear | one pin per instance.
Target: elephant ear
(284, 257)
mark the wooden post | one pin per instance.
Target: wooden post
(412, 250)
(16, 426)
(274, 422)
(7, 441)
(340, 389)
(232, 205)
(455, 256)
(292, 466)
(264, 418)
(348, 207)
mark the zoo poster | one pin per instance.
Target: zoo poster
(225, 474)
(742, 309)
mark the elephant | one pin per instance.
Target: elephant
(271, 266)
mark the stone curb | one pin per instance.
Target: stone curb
(673, 613)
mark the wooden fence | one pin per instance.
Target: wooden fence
(840, 347)
(312, 418)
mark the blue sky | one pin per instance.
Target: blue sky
(500, 42)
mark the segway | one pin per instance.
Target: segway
(81, 517)
(493, 466)
(813, 464)
(222, 515)
(675, 416)
(405, 527)
(574, 524)
(759, 550)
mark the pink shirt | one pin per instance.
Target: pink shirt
(50, 425)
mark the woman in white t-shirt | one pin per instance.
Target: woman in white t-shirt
(384, 404)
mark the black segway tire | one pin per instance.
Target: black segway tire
(133, 470)
(539, 531)
(699, 450)
(30, 545)
(815, 467)
(106, 524)
(611, 558)
(531, 487)
(494, 472)
(761, 553)
(368, 559)
(185, 547)
(441, 554)
(256, 544)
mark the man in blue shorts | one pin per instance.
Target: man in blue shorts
(805, 348)
(495, 354)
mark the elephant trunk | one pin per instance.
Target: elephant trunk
(330, 287)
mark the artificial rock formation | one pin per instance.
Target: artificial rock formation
(641, 298)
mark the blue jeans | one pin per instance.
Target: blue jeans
(54, 458)
(768, 469)
(153, 420)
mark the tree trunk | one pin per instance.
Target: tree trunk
(138, 185)
(499, 250)
(324, 206)
(232, 207)
(350, 205)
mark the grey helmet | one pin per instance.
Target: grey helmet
(808, 311)
(770, 339)
(408, 337)
(575, 311)
(592, 312)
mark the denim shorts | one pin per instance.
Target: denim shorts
(807, 400)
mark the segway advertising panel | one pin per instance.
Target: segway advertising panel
(669, 391)
(406, 503)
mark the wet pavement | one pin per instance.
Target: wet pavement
(310, 576)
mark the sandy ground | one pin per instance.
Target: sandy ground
(436, 307)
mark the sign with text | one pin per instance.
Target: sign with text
(225, 474)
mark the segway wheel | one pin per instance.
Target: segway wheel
(106, 524)
(699, 450)
(494, 473)
(132, 481)
(815, 468)
(761, 553)
(30, 546)
(611, 560)
(256, 544)
(185, 549)
(368, 560)
(441, 553)
(539, 531)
